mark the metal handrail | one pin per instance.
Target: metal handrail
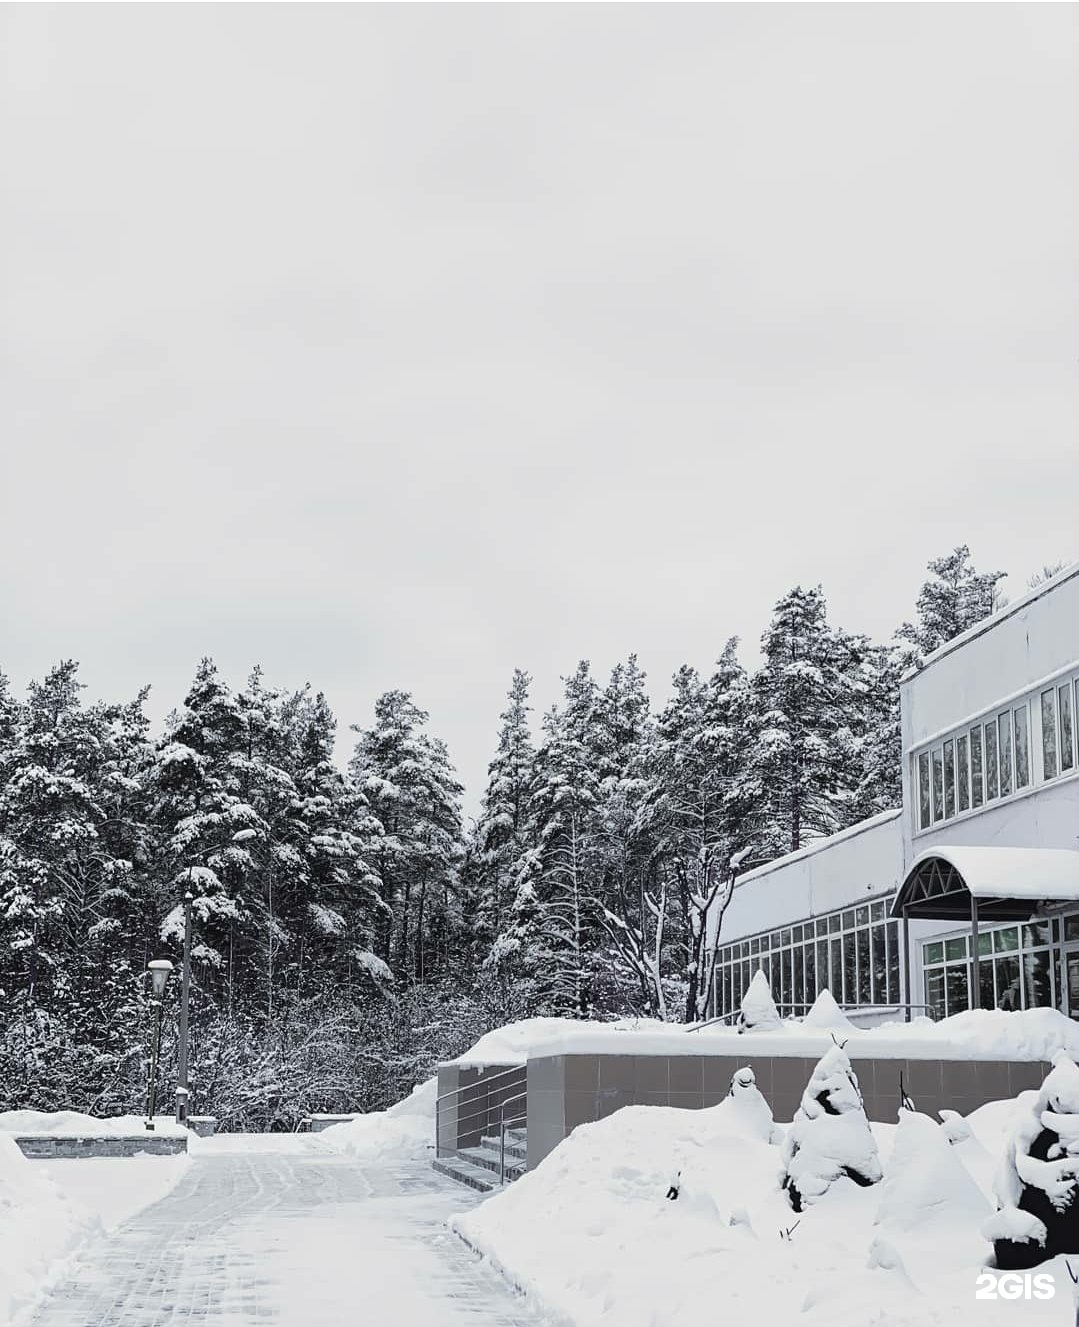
(502, 1122)
(468, 1087)
(733, 1014)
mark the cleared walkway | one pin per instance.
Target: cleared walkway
(293, 1238)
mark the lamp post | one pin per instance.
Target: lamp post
(159, 970)
(182, 1094)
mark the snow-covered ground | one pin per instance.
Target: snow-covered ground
(593, 1238)
(49, 1210)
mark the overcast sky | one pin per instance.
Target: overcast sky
(398, 346)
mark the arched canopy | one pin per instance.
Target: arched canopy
(1000, 884)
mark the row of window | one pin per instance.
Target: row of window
(991, 759)
(1015, 968)
(854, 952)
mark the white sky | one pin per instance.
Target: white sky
(396, 346)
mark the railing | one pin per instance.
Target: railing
(732, 1016)
(503, 1125)
(479, 1090)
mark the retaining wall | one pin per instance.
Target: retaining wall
(567, 1090)
(48, 1146)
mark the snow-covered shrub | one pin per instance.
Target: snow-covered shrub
(759, 1012)
(925, 1182)
(745, 1109)
(830, 1135)
(825, 1013)
(1036, 1189)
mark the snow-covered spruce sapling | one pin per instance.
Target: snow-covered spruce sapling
(759, 1012)
(830, 1135)
(751, 1107)
(1037, 1187)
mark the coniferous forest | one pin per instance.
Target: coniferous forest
(350, 930)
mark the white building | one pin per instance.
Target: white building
(980, 866)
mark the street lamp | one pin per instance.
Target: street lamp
(159, 969)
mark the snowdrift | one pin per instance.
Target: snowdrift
(402, 1133)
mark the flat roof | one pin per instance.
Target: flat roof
(819, 845)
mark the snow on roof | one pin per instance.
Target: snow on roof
(987, 623)
(1023, 873)
(819, 845)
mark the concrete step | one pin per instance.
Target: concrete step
(488, 1158)
(517, 1150)
(464, 1172)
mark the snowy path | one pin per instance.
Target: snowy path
(291, 1238)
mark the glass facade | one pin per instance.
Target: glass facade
(1017, 967)
(854, 952)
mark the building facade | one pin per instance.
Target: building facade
(878, 914)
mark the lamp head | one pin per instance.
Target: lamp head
(159, 970)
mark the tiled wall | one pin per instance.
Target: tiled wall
(567, 1090)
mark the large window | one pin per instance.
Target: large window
(1058, 708)
(853, 952)
(1003, 753)
(1015, 965)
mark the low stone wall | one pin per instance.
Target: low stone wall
(567, 1090)
(52, 1147)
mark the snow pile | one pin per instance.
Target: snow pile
(404, 1132)
(1038, 1183)
(977, 1034)
(825, 1013)
(515, 1042)
(926, 1183)
(38, 1225)
(759, 1012)
(593, 1239)
(830, 1137)
(73, 1123)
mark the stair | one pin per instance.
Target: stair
(479, 1167)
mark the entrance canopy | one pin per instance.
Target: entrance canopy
(983, 885)
(992, 884)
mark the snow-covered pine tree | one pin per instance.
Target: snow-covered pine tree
(412, 791)
(830, 1135)
(955, 597)
(701, 809)
(560, 880)
(635, 899)
(212, 831)
(342, 900)
(501, 838)
(811, 698)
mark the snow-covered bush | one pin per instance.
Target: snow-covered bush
(825, 1013)
(830, 1136)
(925, 1183)
(759, 1012)
(745, 1110)
(1037, 1191)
